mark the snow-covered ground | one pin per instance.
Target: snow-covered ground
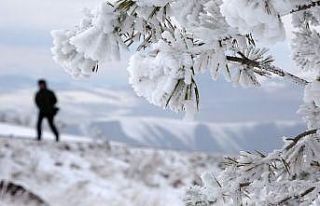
(13, 131)
(81, 172)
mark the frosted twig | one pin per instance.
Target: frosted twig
(299, 137)
(267, 68)
(305, 6)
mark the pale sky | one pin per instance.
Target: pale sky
(25, 39)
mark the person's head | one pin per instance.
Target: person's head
(42, 84)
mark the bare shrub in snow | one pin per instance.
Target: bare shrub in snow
(16, 195)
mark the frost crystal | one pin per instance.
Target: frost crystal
(306, 49)
(74, 62)
(99, 42)
(312, 93)
(164, 77)
(257, 17)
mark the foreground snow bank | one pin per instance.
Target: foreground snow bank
(83, 173)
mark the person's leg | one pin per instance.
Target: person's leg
(39, 126)
(53, 127)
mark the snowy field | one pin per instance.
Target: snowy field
(80, 172)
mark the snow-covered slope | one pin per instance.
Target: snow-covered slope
(195, 136)
(14, 131)
(80, 172)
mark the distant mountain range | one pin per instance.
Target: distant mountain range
(195, 136)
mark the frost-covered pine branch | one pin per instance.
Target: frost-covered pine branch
(289, 176)
(173, 41)
(203, 35)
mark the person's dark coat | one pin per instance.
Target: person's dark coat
(46, 100)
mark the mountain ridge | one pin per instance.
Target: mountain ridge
(197, 136)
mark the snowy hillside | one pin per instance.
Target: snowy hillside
(196, 136)
(84, 173)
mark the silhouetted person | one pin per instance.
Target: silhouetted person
(46, 100)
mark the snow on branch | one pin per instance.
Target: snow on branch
(299, 137)
(310, 109)
(200, 31)
(164, 75)
(242, 14)
(265, 67)
(306, 49)
(306, 6)
(288, 176)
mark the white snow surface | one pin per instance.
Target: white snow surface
(81, 172)
(12, 131)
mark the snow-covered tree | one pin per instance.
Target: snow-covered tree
(176, 40)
